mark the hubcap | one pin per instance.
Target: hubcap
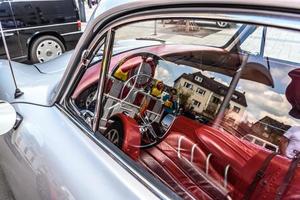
(48, 49)
(113, 136)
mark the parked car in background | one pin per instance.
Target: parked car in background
(105, 120)
(39, 30)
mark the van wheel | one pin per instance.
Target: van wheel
(45, 48)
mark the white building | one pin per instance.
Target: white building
(206, 96)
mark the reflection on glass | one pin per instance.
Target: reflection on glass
(197, 102)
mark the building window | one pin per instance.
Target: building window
(188, 85)
(196, 103)
(216, 100)
(198, 78)
(236, 109)
(200, 91)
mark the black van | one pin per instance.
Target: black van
(39, 30)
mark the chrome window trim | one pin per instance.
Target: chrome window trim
(37, 27)
(71, 33)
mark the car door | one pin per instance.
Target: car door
(10, 31)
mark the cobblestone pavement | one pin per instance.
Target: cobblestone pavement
(5, 193)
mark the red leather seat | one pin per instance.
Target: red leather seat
(245, 160)
(180, 163)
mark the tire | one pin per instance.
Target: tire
(115, 128)
(221, 24)
(45, 48)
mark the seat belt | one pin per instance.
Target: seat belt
(258, 176)
(288, 177)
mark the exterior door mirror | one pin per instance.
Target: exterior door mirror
(8, 117)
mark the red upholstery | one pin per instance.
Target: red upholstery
(184, 147)
(163, 173)
(228, 150)
(179, 161)
(245, 159)
(172, 162)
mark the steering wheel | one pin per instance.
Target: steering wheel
(138, 82)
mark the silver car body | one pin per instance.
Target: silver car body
(50, 156)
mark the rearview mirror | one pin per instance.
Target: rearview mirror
(8, 117)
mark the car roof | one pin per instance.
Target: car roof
(280, 5)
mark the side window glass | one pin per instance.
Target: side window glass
(167, 93)
(252, 44)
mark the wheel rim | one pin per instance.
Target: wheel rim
(48, 49)
(222, 24)
(113, 136)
